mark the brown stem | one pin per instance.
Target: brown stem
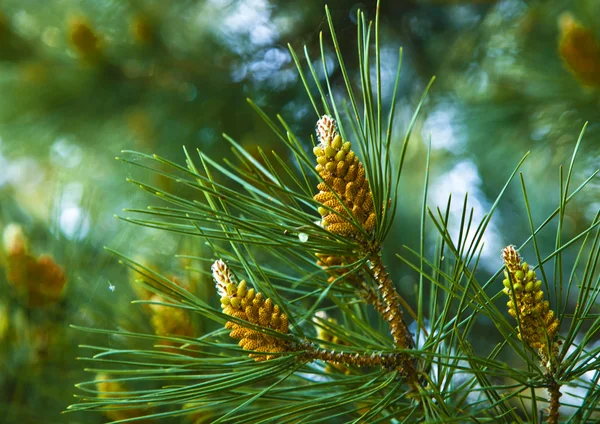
(389, 308)
(370, 296)
(554, 394)
(389, 360)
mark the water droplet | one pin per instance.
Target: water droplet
(303, 237)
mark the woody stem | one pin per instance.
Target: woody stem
(384, 360)
(555, 394)
(390, 310)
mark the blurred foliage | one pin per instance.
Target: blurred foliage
(82, 80)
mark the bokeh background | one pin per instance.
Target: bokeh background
(82, 80)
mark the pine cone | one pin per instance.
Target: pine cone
(527, 299)
(237, 300)
(344, 187)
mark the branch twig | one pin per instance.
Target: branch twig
(391, 312)
(554, 399)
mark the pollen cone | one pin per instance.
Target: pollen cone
(239, 301)
(344, 188)
(538, 322)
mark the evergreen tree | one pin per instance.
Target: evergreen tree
(317, 278)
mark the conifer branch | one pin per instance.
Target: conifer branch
(348, 210)
(265, 209)
(239, 301)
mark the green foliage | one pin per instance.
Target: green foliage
(258, 215)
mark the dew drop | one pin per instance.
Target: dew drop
(303, 237)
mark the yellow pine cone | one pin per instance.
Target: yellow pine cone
(326, 261)
(143, 30)
(237, 300)
(84, 40)
(580, 51)
(114, 390)
(170, 320)
(527, 298)
(323, 334)
(14, 240)
(166, 320)
(342, 174)
(40, 279)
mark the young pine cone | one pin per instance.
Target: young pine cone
(343, 175)
(38, 278)
(527, 299)
(579, 50)
(115, 390)
(326, 261)
(237, 300)
(170, 321)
